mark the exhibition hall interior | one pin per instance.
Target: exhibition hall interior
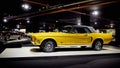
(60, 33)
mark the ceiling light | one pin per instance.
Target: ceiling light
(5, 20)
(96, 23)
(79, 21)
(26, 6)
(95, 13)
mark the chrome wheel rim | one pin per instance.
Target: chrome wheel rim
(98, 45)
(49, 46)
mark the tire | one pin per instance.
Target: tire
(20, 37)
(97, 45)
(48, 46)
(7, 38)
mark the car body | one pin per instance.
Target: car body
(70, 36)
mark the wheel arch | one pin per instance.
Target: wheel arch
(51, 40)
(98, 39)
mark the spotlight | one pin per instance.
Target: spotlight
(79, 21)
(5, 20)
(26, 6)
(95, 13)
(28, 20)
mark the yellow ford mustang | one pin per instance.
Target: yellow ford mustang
(70, 36)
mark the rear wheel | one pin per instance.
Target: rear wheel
(48, 46)
(97, 45)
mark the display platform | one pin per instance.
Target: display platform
(33, 51)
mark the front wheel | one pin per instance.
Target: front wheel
(48, 46)
(97, 45)
(7, 37)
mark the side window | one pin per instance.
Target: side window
(87, 30)
(67, 29)
(72, 30)
(83, 30)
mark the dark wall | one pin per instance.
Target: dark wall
(85, 20)
(117, 36)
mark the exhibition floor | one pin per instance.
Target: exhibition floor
(34, 51)
(27, 55)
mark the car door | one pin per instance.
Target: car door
(83, 35)
(69, 37)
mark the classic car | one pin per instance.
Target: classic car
(7, 35)
(70, 36)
